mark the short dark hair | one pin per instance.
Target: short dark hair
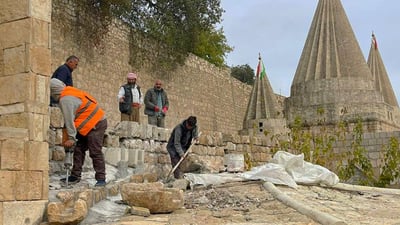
(191, 121)
(72, 57)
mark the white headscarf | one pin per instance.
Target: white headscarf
(56, 87)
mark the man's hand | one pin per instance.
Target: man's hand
(181, 154)
(69, 143)
(165, 109)
(156, 109)
(122, 99)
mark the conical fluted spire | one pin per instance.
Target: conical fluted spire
(332, 75)
(331, 49)
(379, 74)
(262, 103)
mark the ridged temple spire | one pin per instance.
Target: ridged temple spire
(332, 75)
(331, 49)
(262, 103)
(379, 74)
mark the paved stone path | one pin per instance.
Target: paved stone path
(246, 203)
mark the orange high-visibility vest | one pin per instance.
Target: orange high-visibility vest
(88, 114)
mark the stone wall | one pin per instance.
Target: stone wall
(374, 144)
(24, 121)
(196, 88)
(144, 146)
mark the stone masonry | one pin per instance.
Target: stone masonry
(197, 88)
(25, 65)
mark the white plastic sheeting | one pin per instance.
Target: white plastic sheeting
(284, 169)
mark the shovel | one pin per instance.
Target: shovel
(180, 161)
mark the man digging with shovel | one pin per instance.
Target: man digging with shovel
(179, 143)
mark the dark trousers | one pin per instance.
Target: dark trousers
(174, 160)
(156, 121)
(93, 142)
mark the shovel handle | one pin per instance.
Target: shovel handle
(180, 161)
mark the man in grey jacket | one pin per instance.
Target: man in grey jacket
(180, 141)
(156, 102)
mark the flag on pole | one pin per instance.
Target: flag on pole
(260, 69)
(374, 42)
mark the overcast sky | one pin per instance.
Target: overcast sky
(278, 30)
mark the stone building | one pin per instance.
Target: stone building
(333, 75)
(264, 115)
(334, 78)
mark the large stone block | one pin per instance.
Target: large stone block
(45, 185)
(7, 181)
(9, 85)
(37, 125)
(61, 213)
(41, 9)
(1, 213)
(19, 120)
(128, 129)
(41, 33)
(12, 155)
(13, 10)
(28, 185)
(112, 156)
(12, 109)
(15, 33)
(136, 157)
(40, 63)
(41, 107)
(1, 58)
(153, 197)
(16, 62)
(41, 85)
(13, 133)
(37, 155)
(23, 212)
(56, 117)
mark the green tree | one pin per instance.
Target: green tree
(211, 47)
(182, 26)
(244, 73)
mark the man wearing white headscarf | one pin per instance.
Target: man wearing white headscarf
(86, 123)
(130, 99)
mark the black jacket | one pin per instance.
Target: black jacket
(181, 138)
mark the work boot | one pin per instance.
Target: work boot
(100, 183)
(71, 180)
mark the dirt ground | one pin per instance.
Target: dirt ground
(235, 203)
(247, 203)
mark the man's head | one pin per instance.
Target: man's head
(131, 78)
(72, 62)
(191, 122)
(157, 84)
(56, 87)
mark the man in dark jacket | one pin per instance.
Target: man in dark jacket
(64, 73)
(130, 99)
(156, 102)
(180, 141)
